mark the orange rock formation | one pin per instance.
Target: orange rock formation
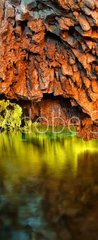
(49, 49)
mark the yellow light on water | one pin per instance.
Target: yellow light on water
(22, 155)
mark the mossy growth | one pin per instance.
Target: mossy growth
(10, 115)
(11, 118)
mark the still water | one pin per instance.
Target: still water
(48, 188)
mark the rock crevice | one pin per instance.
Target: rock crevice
(50, 47)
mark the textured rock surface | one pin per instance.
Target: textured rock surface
(50, 47)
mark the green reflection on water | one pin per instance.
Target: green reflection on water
(25, 155)
(48, 188)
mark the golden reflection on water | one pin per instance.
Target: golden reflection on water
(24, 155)
(48, 188)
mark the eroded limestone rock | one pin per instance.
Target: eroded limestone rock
(50, 47)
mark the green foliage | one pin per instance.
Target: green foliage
(10, 115)
(11, 118)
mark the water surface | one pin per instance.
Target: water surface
(48, 188)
